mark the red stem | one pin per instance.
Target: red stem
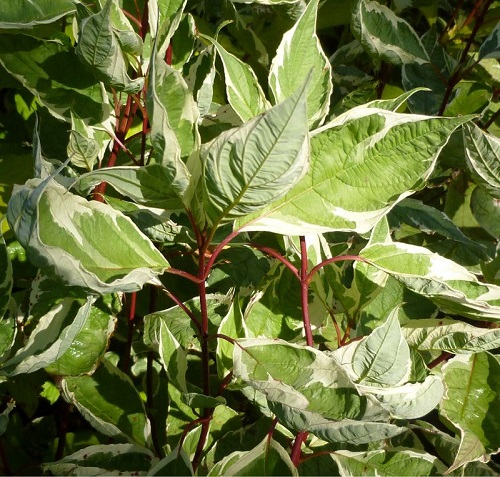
(296, 448)
(273, 253)
(339, 258)
(304, 291)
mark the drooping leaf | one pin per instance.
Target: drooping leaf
(51, 338)
(20, 14)
(109, 401)
(36, 64)
(300, 53)
(482, 154)
(247, 167)
(471, 404)
(146, 185)
(308, 390)
(491, 45)
(242, 86)
(450, 335)
(87, 144)
(362, 164)
(108, 459)
(88, 244)
(158, 336)
(232, 325)
(431, 220)
(386, 36)
(100, 51)
(400, 461)
(267, 458)
(163, 135)
(452, 287)
(170, 100)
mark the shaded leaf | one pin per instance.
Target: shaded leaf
(109, 401)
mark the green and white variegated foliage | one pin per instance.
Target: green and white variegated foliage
(362, 164)
(58, 230)
(192, 225)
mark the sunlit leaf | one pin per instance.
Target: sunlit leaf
(100, 51)
(471, 404)
(404, 462)
(247, 167)
(486, 210)
(108, 459)
(452, 287)
(88, 243)
(268, 458)
(17, 14)
(362, 164)
(242, 86)
(386, 36)
(36, 64)
(450, 335)
(482, 153)
(300, 53)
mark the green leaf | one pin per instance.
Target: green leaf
(434, 76)
(87, 144)
(267, 458)
(309, 390)
(471, 404)
(452, 287)
(486, 210)
(242, 86)
(37, 65)
(431, 220)
(6, 279)
(175, 463)
(399, 461)
(17, 14)
(247, 167)
(362, 164)
(234, 326)
(482, 154)
(491, 46)
(383, 357)
(298, 54)
(51, 339)
(450, 335)
(171, 101)
(158, 336)
(200, 401)
(164, 17)
(163, 135)
(89, 345)
(147, 185)
(100, 51)
(386, 36)
(87, 244)
(110, 403)
(109, 459)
